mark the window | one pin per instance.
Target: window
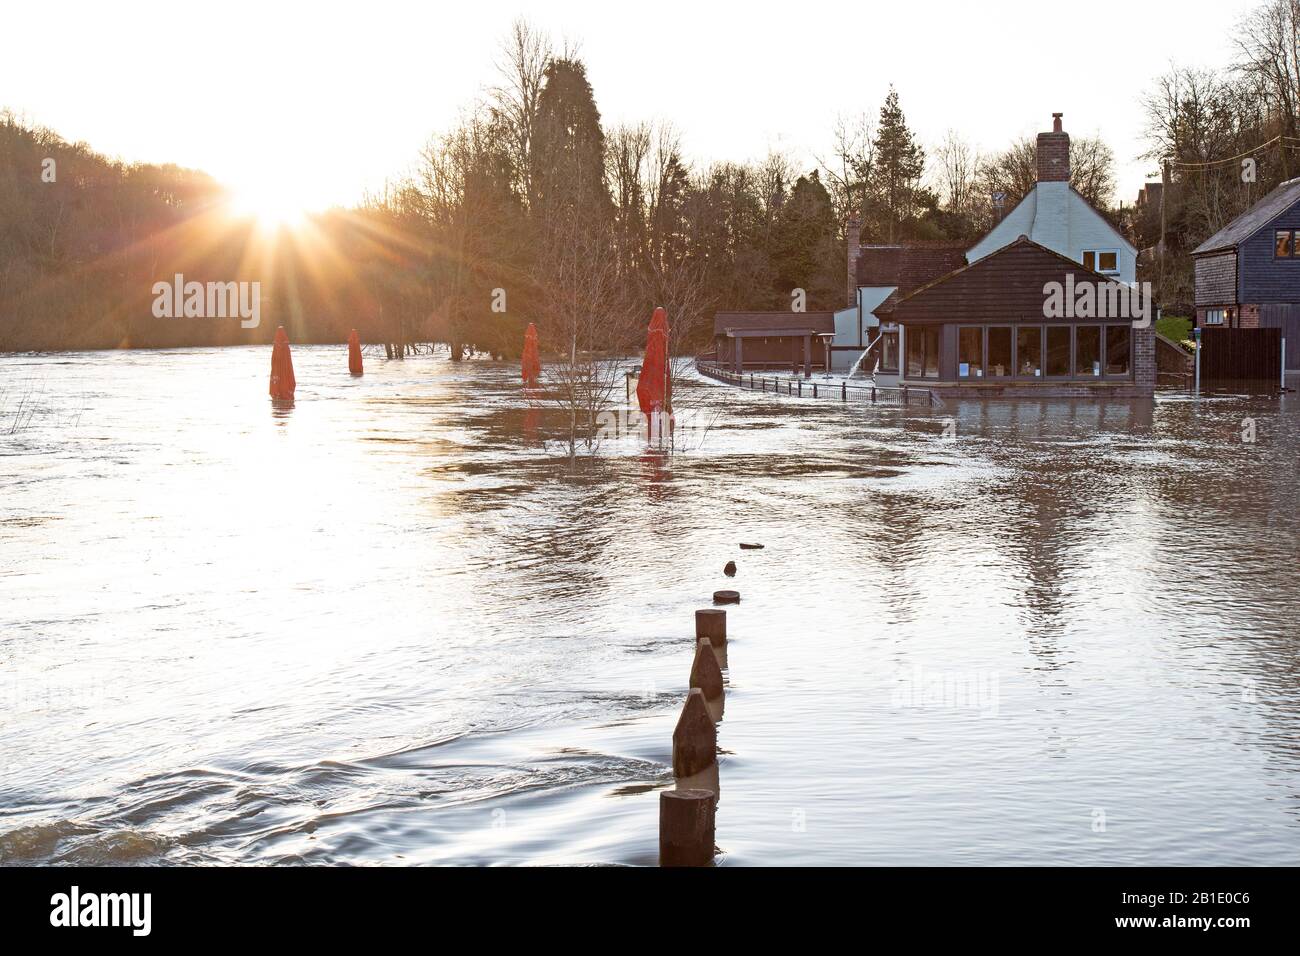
(999, 365)
(889, 352)
(1029, 351)
(922, 351)
(1087, 350)
(932, 352)
(915, 351)
(1117, 337)
(970, 352)
(1105, 261)
(1058, 350)
(1283, 246)
(1213, 316)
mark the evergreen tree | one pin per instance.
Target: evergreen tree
(896, 173)
(804, 243)
(569, 148)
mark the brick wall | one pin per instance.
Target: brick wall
(1144, 358)
(1053, 157)
(1248, 317)
(853, 240)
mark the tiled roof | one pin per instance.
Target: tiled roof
(814, 322)
(1004, 286)
(1253, 219)
(908, 266)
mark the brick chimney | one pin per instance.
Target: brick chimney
(853, 237)
(1054, 154)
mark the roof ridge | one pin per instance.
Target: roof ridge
(1021, 240)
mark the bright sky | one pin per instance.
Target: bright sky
(310, 104)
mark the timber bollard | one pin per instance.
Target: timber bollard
(686, 827)
(695, 739)
(705, 673)
(726, 597)
(729, 569)
(711, 624)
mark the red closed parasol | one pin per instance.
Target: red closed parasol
(282, 380)
(532, 365)
(354, 353)
(654, 390)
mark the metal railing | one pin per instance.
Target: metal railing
(812, 388)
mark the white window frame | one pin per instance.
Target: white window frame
(1096, 257)
(1215, 316)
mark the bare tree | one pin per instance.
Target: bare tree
(522, 68)
(847, 171)
(1268, 40)
(586, 319)
(627, 149)
(957, 163)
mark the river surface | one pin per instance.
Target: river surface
(395, 624)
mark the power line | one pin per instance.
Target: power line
(1292, 143)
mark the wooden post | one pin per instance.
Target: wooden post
(711, 624)
(388, 349)
(726, 597)
(695, 739)
(705, 673)
(686, 827)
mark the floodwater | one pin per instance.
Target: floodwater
(396, 625)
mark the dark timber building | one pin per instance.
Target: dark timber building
(986, 331)
(772, 340)
(1248, 273)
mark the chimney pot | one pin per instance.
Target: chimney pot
(1056, 122)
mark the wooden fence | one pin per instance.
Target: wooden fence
(1241, 356)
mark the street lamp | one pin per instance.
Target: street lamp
(827, 338)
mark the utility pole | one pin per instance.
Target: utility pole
(1164, 199)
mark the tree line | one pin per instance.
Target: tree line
(532, 208)
(1201, 125)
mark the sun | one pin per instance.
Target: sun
(273, 205)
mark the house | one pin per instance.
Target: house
(1149, 196)
(1054, 215)
(879, 275)
(1013, 324)
(1248, 273)
(772, 340)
